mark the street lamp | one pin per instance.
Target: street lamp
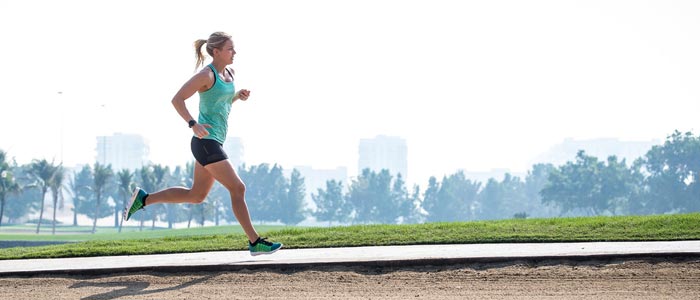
(60, 93)
(104, 138)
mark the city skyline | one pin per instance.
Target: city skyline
(316, 178)
(477, 86)
(122, 151)
(384, 152)
(557, 154)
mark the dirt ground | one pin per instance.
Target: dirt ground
(652, 278)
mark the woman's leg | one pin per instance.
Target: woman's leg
(223, 172)
(202, 183)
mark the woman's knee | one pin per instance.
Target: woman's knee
(197, 197)
(237, 189)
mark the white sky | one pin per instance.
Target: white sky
(470, 85)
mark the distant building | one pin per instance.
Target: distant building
(123, 151)
(234, 149)
(601, 148)
(384, 152)
(315, 179)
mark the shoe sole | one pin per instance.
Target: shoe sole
(266, 253)
(131, 202)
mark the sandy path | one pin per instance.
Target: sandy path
(652, 278)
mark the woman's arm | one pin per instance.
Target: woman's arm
(199, 81)
(241, 94)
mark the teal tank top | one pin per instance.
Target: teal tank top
(214, 107)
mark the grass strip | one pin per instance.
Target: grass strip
(583, 229)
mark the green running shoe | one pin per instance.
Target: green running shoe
(135, 204)
(262, 246)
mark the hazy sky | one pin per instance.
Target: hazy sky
(470, 85)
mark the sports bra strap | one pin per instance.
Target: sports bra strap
(216, 75)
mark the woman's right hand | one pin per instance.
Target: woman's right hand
(200, 130)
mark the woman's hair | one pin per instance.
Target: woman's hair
(216, 41)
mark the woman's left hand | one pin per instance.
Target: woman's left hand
(243, 94)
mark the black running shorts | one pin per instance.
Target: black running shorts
(207, 151)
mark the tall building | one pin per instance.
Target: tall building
(122, 151)
(384, 152)
(234, 149)
(315, 179)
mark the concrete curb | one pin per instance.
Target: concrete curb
(368, 264)
(381, 257)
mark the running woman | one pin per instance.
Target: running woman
(216, 94)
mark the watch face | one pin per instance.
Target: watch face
(192, 122)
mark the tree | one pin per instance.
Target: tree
(265, 187)
(514, 197)
(490, 199)
(572, 185)
(619, 185)
(8, 185)
(42, 172)
(56, 185)
(535, 180)
(278, 187)
(125, 183)
(359, 197)
(161, 175)
(399, 204)
(214, 207)
(452, 199)
(431, 201)
(408, 205)
(330, 203)
(370, 196)
(187, 180)
(293, 204)
(503, 199)
(411, 210)
(82, 194)
(148, 183)
(589, 185)
(102, 174)
(672, 170)
(179, 177)
(20, 204)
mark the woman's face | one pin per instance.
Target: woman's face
(226, 52)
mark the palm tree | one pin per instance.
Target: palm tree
(102, 175)
(73, 191)
(7, 183)
(56, 185)
(8, 186)
(125, 181)
(148, 183)
(80, 190)
(161, 174)
(188, 180)
(42, 173)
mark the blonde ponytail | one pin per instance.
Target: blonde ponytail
(216, 41)
(198, 52)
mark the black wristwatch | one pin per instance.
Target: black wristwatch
(191, 123)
